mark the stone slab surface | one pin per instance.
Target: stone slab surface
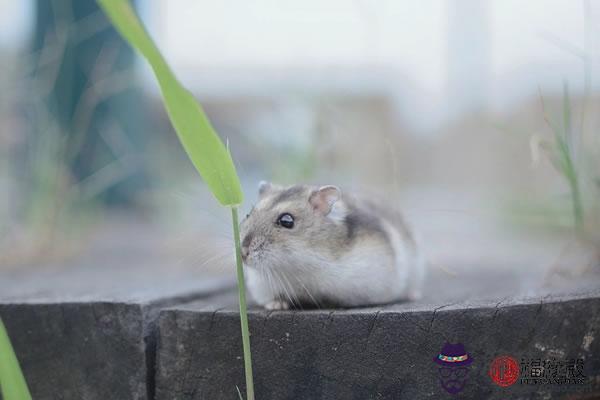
(79, 350)
(374, 353)
(88, 333)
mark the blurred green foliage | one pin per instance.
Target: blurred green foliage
(204, 147)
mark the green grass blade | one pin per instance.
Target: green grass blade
(563, 155)
(12, 382)
(566, 147)
(567, 115)
(243, 307)
(200, 141)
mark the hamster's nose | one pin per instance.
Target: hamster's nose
(246, 246)
(245, 251)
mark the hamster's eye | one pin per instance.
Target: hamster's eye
(286, 220)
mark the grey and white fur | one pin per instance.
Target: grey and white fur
(310, 245)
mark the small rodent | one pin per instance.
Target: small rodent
(309, 245)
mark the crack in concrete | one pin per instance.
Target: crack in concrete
(150, 337)
(373, 325)
(212, 317)
(329, 319)
(534, 323)
(497, 308)
(435, 310)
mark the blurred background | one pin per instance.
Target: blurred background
(479, 120)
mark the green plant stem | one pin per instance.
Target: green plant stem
(567, 167)
(577, 204)
(243, 308)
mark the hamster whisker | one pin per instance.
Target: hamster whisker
(268, 275)
(290, 286)
(192, 255)
(216, 257)
(278, 275)
(316, 303)
(283, 286)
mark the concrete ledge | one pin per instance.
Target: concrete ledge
(139, 332)
(80, 350)
(373, 353)
(101, 346)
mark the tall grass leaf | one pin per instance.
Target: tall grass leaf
(12, 382)
(199, 139)
(563, 157)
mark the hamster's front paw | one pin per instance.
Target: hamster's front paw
(277, 305)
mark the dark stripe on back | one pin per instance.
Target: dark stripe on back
(357, 220)
(397, 221)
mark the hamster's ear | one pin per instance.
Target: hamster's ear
(264, 187)
(324, 198)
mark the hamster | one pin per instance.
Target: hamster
(309, 245)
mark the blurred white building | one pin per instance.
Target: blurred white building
(435, 58)
(468, 56)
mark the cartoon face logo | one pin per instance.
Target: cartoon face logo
(453, 368)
